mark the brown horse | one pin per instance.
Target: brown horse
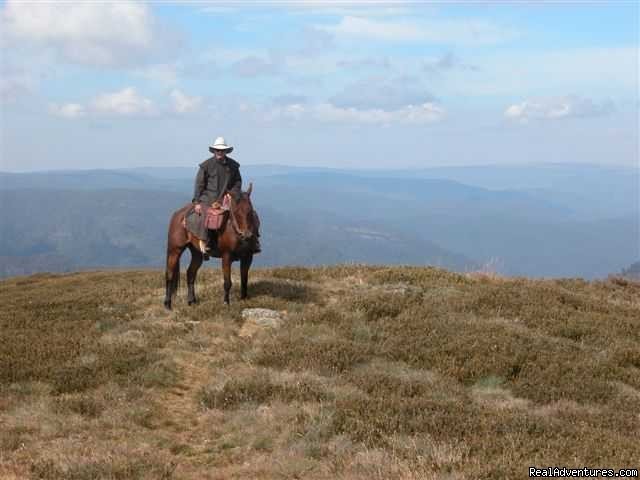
(236, 239)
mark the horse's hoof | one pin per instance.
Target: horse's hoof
(167, 305)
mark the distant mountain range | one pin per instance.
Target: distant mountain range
(544, 220)
(633, 271)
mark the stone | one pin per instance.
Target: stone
(256, 319)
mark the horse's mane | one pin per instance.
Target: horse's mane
(243, 195)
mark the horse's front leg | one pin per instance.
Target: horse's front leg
(245, 264)
(192, 271)
(226, 270)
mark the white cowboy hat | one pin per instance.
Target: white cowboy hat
(220, 144)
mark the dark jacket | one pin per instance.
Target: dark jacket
(212, 179)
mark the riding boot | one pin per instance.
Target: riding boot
(213, 243)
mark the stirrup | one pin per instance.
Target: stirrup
(212, 247)
(203, 247)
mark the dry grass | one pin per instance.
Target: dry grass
(377, 373)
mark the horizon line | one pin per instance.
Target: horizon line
(353, 169)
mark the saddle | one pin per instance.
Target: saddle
(211, 217)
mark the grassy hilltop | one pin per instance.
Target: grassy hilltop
(375, 373)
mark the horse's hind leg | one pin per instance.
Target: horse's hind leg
(192, 271)
(245, 263)
(172, 274)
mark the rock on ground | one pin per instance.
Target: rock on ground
(256, 319)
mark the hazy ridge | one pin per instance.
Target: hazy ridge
(545, 220)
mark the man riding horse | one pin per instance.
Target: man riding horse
(220, 205)
(217, 176)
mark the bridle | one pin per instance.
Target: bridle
(244, 234)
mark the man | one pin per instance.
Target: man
(215, 176)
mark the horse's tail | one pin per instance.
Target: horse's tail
(174, 251)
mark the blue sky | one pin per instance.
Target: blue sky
(351, 84)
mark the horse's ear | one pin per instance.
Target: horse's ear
(249, 189)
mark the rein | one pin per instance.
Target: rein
(234, 223)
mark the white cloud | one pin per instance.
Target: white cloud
(558, 107)
(127, 102)
(385, 30)
(221, 55)
(253, 66)
(609, 71)
(311, 66)
(123, 102)
(298, 51)
(447, 62)
(354, 8)
(383, 92)
(463, 31)
(183, 103)
(411, 114)
(89, 33)
(217, 10)
(311, 42)
(365, 63)
(15, 82)
(289, 99)
(366, 8)
(67, 110)
(420, 114)
(301, 58)
(165, 74)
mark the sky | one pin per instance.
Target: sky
(318, 83)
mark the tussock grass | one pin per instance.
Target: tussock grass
(87, 470)
(84, 405)
(376, 372)
(260, 387)
(287, 290)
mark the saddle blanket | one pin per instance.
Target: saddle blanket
(210, 218)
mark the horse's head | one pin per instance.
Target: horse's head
(242, 215)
